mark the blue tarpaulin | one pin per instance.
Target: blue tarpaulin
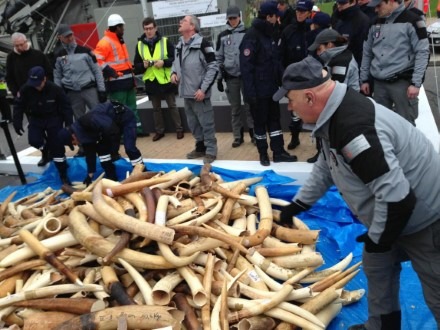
(337, 237)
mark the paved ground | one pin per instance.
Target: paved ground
(170, 148)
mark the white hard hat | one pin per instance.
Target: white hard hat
(115, 19)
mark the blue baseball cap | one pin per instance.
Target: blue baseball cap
(269, 8)
(321, 19)
(36, 76)
(304, 5)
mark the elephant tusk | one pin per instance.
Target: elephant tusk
(295, 235)
(266, 218)
(54, 243)
(47, 291)
(199, 294)
(140, 281)
(191, 321)
(127, 223)
(162, 289)
(98, 245)
(46, 254)
(158, 317)
(71, 305)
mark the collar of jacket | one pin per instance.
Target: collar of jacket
(333, 102)
(347, 14)
(263, 26)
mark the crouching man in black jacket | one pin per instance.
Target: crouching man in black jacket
(99, 132)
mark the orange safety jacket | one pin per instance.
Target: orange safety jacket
(111, 52)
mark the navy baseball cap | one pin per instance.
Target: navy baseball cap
(321, 19)
(301, 75)
(304, 5)
(269, 8)
(36, 76)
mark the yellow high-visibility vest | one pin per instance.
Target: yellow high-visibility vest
(160, 53)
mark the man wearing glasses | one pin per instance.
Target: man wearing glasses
(227, 55)
(153, 58)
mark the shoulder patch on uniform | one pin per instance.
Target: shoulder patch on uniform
(421, 24)
(246, 52)
(356, 146)
(341, 70)
(209, 49)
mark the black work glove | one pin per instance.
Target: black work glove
(102, 97)
(220, 85)
(88, 180)
(108, 72)
(370, 246)
(287, 212)
(18, 129)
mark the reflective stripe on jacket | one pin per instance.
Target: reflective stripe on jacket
(110, 51)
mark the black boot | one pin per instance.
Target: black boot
(62, 171)
(251, 135)
(110, 170)
(284, 157)
(45, 156)
(294, 141)
(392, 320)
(239, 142)
(198, 152)
(314, 158)
(318, 148)
(264, 159)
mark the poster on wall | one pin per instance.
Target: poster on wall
(178, 8)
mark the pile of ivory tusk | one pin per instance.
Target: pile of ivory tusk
(163, 251)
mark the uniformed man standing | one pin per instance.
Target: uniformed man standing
(48, 110)
(228, 57)
(99, 132)
(261, 71)
(398, 75)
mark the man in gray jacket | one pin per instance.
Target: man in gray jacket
(387, 172)
(78, 73)
(195, 70)
(396, 54)
(228, 57)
